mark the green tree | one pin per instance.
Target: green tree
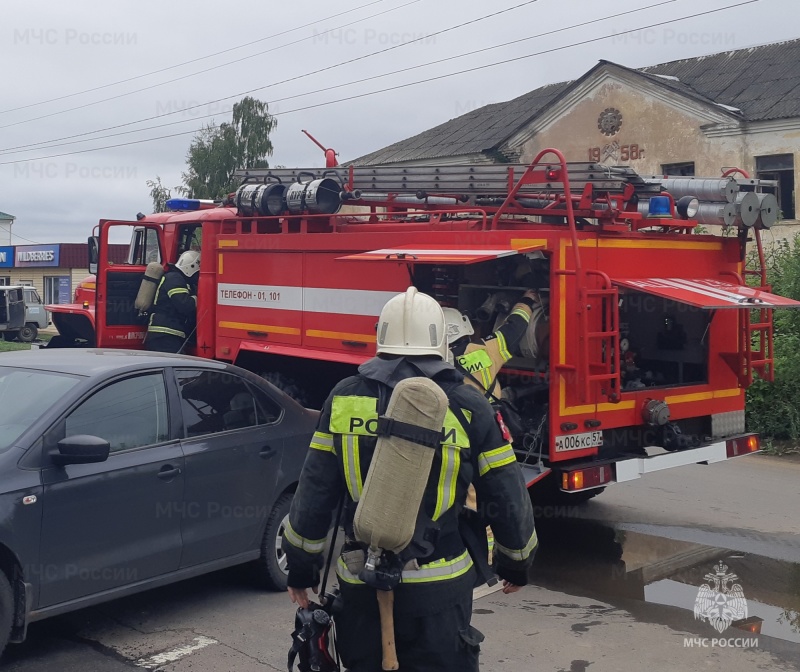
(159, 193)
(218, 150)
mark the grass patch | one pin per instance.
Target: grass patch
(780, 448)
(6, 346)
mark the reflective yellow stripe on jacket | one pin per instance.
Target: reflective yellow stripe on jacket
(324, 442)
(352, 466)
(308, 545)
(455, 439)
(492, 459)
(520, 554)
(439, 570)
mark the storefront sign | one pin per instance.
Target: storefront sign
(64, 289)
(6, 257)
(36, 255)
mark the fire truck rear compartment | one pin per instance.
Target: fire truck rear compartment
(663, 343)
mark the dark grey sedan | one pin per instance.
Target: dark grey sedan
(122, 471)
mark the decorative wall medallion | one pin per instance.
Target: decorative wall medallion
(610, 121)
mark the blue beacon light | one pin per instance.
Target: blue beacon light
(189, 204)
(660, 207)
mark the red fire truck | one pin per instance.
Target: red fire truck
(638, 355)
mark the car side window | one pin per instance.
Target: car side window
(215, 401)
(129, 413)
(269, 411)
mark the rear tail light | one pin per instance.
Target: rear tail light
(744, 445)
(581, 479)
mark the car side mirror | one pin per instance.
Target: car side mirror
(81, 449)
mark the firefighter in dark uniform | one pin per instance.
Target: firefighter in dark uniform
(433, 602)
(484, 358)
(174, 311)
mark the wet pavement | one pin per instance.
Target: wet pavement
(616, 585)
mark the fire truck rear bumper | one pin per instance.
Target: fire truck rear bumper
(587, 475)
(628, 470)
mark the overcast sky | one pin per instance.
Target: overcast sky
(51, 49)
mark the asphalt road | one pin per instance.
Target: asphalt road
(615, 585)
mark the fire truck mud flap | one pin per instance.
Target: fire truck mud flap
(628, 470)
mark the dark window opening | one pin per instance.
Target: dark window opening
(685, 169)
(189, 238)
(779, 167)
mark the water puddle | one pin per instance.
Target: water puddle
(728, 582)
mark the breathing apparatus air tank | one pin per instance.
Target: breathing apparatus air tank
(386, 515)
(149, 286)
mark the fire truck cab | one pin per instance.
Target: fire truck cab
(644, 339)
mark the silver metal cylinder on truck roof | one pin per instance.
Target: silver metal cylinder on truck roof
(703, 189)
(747, 209)
(768, 210)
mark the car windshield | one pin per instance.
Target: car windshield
(18, 387)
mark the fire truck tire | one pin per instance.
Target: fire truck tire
(286, 384)
(271, 571)
(28, 334)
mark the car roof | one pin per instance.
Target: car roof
(98, 361)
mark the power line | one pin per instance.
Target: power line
(194, 60)
(288, 79)
(28, 240)
(215, 67)
(11, 150)
(422, 81)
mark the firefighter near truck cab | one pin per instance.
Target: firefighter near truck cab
(643, 341)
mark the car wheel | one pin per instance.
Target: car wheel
(28, 333)
(6, 610)
(271, 570)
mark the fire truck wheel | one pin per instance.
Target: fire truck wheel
(271, 570)
(287, 385)
(28, 333)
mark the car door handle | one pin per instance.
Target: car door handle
(267, 453)
(168, 472)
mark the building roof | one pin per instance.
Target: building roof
(76, 255)
(5, 215)
(762, 82)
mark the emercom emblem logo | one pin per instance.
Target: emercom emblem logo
(720, 601)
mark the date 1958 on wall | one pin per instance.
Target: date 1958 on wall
(618, 153)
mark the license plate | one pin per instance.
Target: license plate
(578, 441)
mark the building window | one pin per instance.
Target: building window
(5, 280)
(57, 289)
(685, 169)
(779, 167)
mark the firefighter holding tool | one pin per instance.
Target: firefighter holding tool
(174, 311)
(407, 570)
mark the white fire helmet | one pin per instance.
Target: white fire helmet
(188, 263)
(412, 324)
(458, 325)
